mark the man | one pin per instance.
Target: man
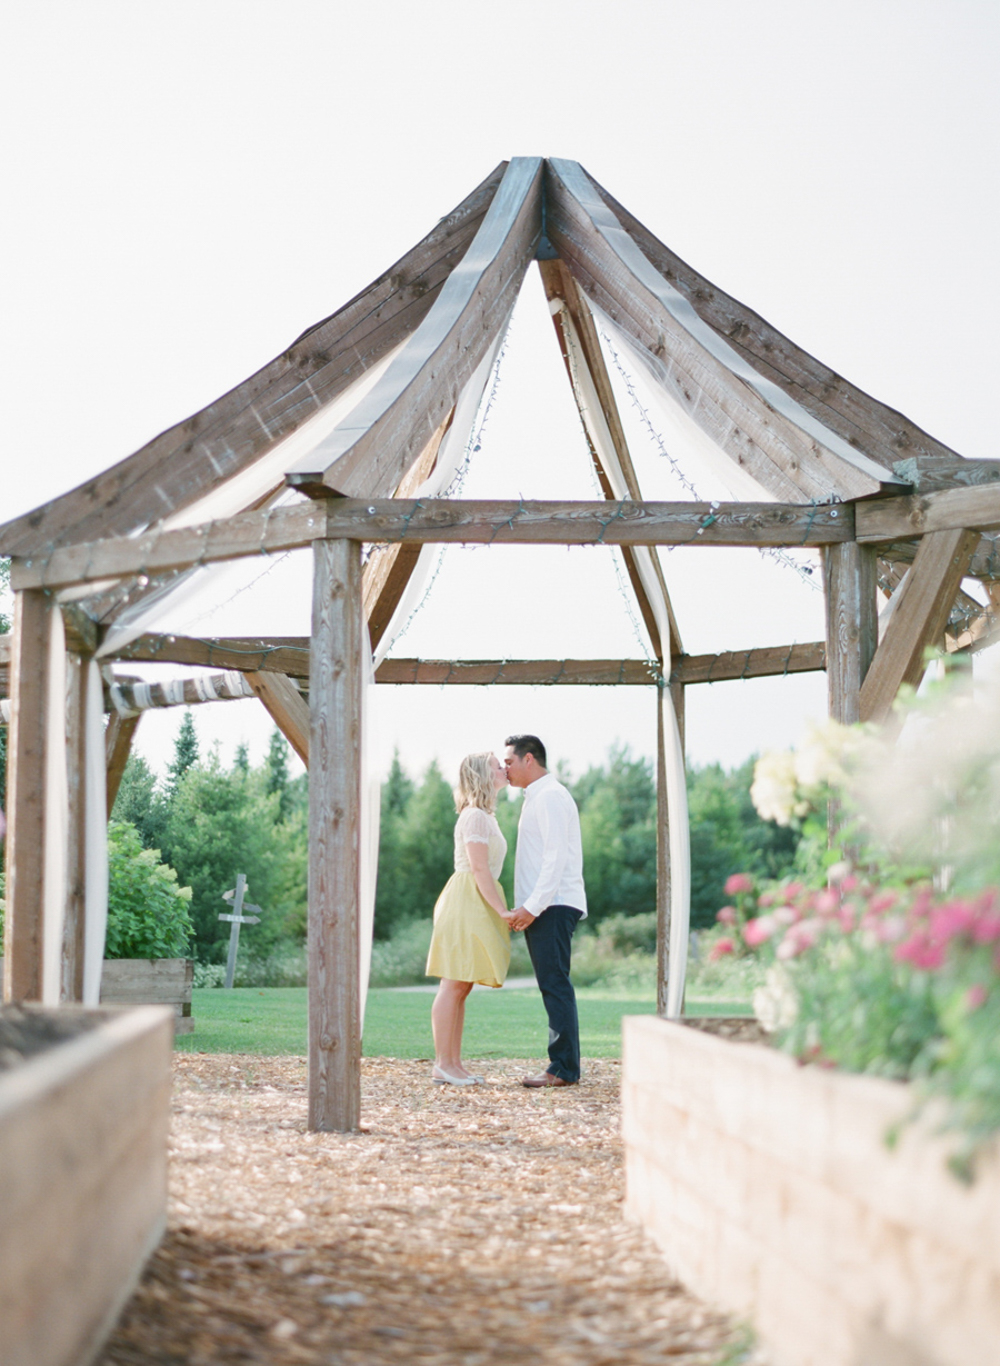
(551, 902)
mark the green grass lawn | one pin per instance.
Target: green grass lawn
(398, 1023)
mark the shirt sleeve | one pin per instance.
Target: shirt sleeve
(475, 826)
(553, 825)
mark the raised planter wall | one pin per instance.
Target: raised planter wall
(157, 981)
(770, 1190)
(83, 1184)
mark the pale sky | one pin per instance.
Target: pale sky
(192, 185)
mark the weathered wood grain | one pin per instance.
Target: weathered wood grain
(768, 661)
(369, 452)
(865, 422)
(191, 459)
(752, 419)
(118, 739)
(25, 807)
(446, 521)
(287, 709)
(890, 519)
(282, 654)
(151, 982)
(851, 625)
(580, 346)
(918, 620)
(230, 538)
(519, 672)
(934, 473)
(335, 688)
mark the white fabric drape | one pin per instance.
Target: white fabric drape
(95, 837)
(679, 838)
(56, 813)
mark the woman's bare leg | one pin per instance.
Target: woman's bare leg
(447, 1022)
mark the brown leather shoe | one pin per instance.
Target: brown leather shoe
(545, 1079)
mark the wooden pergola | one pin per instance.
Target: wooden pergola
(888, 506)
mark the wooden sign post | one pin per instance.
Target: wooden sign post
(236, 920)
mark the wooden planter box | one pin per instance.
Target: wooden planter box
(150, 981)
(770, 1190)
(83, 1184)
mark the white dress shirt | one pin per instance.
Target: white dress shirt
(548, 865)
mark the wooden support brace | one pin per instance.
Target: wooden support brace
(335, 693)
(117, 746)
(849, 574)
(663, 868)
(288, 710)
(918, 620)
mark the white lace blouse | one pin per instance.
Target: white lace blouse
(475, 826)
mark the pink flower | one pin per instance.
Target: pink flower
(799, 938)
(975, 996)
(759, 931)
(825, 903)
(849, 883)
(727, 916)
(922, 951)
(882, 902)
(738, 882)
(845, 919)
(720, 948)
(891, 929)
(767, 899)
(987, 927)
(957, 917)
(793, 890)
(786, 915)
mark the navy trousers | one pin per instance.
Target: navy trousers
(549, 940)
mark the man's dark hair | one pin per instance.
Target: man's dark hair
(527, 744)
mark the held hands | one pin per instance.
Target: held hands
(520, 919)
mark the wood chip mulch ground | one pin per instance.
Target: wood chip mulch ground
(472, 1225)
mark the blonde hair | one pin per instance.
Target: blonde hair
(475, 783)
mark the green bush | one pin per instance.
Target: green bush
(149, 915)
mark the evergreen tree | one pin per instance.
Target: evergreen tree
(140, 802)
(185, 753)
(241, 760)
(276, 769)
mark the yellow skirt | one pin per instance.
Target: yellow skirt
(470, 942)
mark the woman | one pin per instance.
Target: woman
(471, 939)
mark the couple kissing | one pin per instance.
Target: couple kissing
(472, 925)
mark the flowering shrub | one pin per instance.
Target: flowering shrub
(901, 983)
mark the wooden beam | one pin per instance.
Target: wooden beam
(663, 864)
(849, 577)
(445, 521)
(918, 620)
(369, 452)
(519, 672)
(934, 473)
(335, 691)
(196, 456)
(280, 654)
(984, 565)
(287, 709)
(229, 538)
(760, 426)
(26, 766)
(118, 739)
(863, 421)
(891, 519)
(581, 347)
(389, 567)
(771, 661)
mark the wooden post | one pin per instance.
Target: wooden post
(851, 624)
(23, 929)
(335, 691)
(663, 887)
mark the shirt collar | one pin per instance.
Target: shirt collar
(539, 783)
